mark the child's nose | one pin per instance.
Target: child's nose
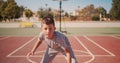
(48, 30)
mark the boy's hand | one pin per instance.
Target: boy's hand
(28, 57)
(30, 53)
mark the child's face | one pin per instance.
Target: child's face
(48, 30)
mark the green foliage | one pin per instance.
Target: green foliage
(95, 18)
(90, 11)
(115, 10)
(103, 11)
(73, 17)
(9, 10)
(66, 14)
(42, 12)
(28, 13)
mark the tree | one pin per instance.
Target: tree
(115, 10)
(3, 5)
(21, 10)
(88, 11)
(9, 10)
(102, 11)
(28, 13)
(66, 14)
(42, 12)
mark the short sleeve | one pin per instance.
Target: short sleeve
(41, 36)
(66, 43)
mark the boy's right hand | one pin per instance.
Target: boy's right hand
(30, 53)
(28, 57)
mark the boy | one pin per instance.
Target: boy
(56, 41)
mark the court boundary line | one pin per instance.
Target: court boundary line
(29, 41)
(80, 42)
(4, 38)
(21, 47)
(83, 55)
(19, 56)
(99, 46)
(45, 51)
(115, 37)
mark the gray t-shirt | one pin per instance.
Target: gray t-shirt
(59, 41)
(58, 44)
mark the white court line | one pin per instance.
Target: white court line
(115, 37)
(24, 56)
(61, 55)
(4, 38)
(99, 46)
(93, 57)
(57, 55)
(21, 46)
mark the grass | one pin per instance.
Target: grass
(70, 31)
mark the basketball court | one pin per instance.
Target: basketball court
(87, 49)
(90, 44)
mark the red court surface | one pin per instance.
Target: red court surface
(87, 49)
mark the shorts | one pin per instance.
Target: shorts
(50, 55)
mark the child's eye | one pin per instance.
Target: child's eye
(45, 28)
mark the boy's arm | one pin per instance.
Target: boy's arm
(36, 46)
(68, 55)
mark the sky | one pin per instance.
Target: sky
(69, 5)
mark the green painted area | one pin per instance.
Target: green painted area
(19, 31)
(93, 31)
(70, 31)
